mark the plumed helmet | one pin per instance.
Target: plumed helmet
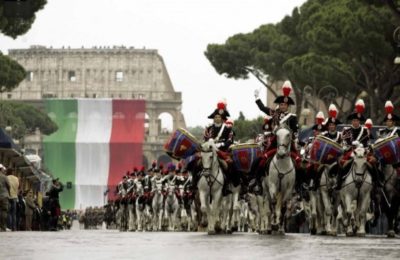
(286, 89)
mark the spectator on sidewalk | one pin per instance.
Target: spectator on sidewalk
(12, 213)
(30, 207)
(4, 197)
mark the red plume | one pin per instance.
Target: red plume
(286, 88)
(360, 106)
(368, 123)
(389, 107)
(221, 105)
(161, 166)
(333, 111)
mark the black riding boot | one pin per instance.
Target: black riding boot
(225, 189)
(339, 179)
(375, 176)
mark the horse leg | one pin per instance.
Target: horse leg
(327, 212)
(278, 213)
(204, 207)
(214, 210)
(262, 214)
(313, 213)
(362, 213)
(348, 213)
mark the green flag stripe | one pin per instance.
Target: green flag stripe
(59, 148)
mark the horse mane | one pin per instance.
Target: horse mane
(283, 126)
(205, 147)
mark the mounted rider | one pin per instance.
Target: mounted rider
(281, 117)
(391, 129)
(352, 137)
(311, 173)
(331, 133)
(223, 136)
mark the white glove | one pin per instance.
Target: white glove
(218, 145)
(355, 143)
(256, 93)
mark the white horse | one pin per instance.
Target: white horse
(281, 177)
(158, 205)
(140, 206)
(328, 204)
(171, 207)
(355, 193)
(210, 184)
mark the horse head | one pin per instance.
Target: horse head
(283, 138)
(171, 190)
(360, 160)
(208, 155)
(159, 187)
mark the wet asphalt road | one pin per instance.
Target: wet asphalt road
(112, 244)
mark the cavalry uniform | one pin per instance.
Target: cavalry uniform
(223, 136)
(352, 136)
(279, 118)
(391, 130)
(311, 175)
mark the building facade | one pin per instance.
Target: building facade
(116, 72)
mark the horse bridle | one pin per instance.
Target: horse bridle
(280, 174)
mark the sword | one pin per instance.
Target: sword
(384, 195)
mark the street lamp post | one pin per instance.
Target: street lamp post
(396, 39)
(327, 94)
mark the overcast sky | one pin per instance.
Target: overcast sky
(179, 29)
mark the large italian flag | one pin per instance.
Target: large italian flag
(97, 142)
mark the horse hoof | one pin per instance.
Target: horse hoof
(360, 234)
(269, 232)
(275, 227)
(281, 232)
(333, 233)
(323, 233)
(313, 231)
(349, 234)
(212, 232)
(391, 234)
(229, 232)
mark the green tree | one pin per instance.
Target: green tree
(346, 44)
(16, 18)
(11, 73)
(247, 129)
(24, 118)
(197, 131)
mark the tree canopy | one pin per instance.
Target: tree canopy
(24, 119)
(343, 44)
(16, 18)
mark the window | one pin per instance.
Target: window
(71, 75)
(72, 95)
(29, 76)
(94, 95)
(9, 96)
(140, 96)
(133, 96)
(119, 76)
